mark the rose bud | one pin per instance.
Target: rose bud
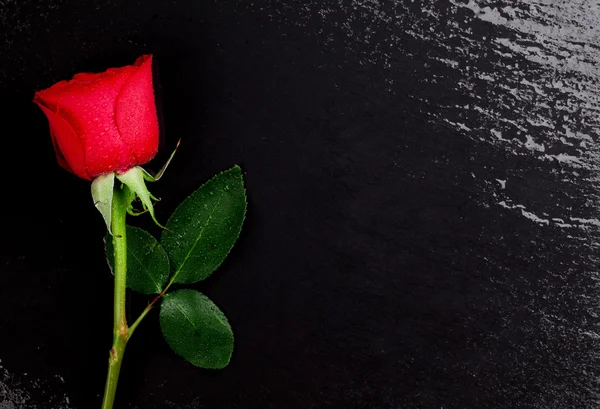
(103, 123)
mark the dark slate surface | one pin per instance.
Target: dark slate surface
(422, 227)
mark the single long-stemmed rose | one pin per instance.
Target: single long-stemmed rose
(103, 127)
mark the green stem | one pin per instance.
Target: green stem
(149, 308)
(145, 312)
(120, 329)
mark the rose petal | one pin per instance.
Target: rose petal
(90, 107)
(96, 76)
(135, 112)
(68, 146)
(142, 59)
(60, 158)
(50, 96)
(88, 76)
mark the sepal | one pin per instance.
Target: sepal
(102, 193)
(161, 172)
(133, 179)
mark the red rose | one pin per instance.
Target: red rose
(101, 123)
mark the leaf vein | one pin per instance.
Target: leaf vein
(185, 315)
(208, 219)
(146, 271)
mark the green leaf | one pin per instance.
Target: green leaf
(203, 229)
(196, 329)
(147, 262)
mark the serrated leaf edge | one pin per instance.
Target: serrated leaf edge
(233, 168)
(168, 298)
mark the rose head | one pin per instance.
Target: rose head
(106, 122)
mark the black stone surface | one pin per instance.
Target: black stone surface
(422, 228)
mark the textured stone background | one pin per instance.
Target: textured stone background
(423, 226)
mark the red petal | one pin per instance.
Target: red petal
(89, 107)
(88, 76)
(49, 96)
(142, 59)
(91, 76)
(59, 156)
(135, 112)
(68, 146)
